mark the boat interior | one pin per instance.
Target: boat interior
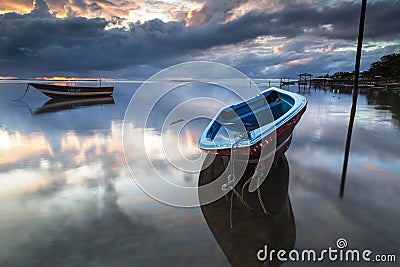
(250, 115)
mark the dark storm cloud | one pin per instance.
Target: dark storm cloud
(78, 3)
(38, 42)
(105, 2)
(338, 22)
(94, 7)
(40, 9)
(215, 11)
(382, 21)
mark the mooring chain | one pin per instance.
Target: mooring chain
(230, 183)
(258, 173)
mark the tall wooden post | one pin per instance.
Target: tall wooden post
(355, 96)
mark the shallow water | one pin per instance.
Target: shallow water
(67, 197)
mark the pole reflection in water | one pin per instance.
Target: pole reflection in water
(347, 149)
(355, 96)
(252, 228)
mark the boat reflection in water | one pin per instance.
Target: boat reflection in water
(59, 104)
(250, 228)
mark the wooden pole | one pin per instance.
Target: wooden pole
(355, 96)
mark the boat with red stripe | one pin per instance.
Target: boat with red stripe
(260, 127)
(66, 91)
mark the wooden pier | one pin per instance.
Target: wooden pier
(348, 83)
(304, 81)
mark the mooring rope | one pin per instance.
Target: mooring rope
(240, 138)
(230, 183)
(26, 91)
(259, 196)
(26, 105)
(259, 172)
(243, 201)
(245, 184)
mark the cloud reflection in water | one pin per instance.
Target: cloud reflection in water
(67, 197)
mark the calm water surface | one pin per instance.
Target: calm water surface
(67, 198)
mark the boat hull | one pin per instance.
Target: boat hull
(273, 142)
(59, 91)
(262, 152)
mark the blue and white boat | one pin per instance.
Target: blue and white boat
(265, 121)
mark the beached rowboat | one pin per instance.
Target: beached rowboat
(261, 124)
(63, 91)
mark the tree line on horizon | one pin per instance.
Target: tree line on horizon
(387, 68)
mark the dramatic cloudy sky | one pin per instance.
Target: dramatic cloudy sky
(136, 38)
